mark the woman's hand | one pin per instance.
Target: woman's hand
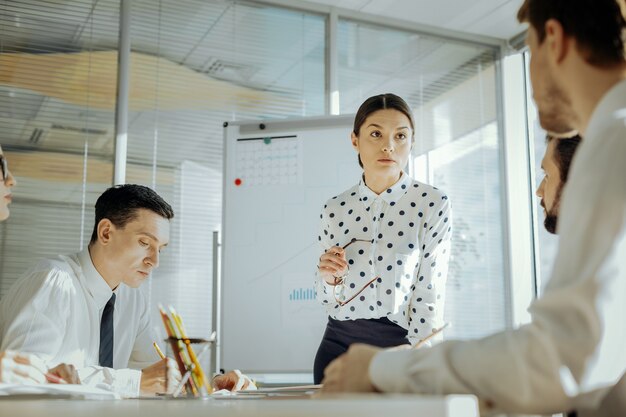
(21, 368)
(332, 265)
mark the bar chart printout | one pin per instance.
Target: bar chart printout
(302, 294)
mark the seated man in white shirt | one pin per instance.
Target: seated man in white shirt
(86, 309)
(16, 367)
(571, 355)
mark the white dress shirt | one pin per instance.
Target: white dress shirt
(54, 311)
(410, 227)
(574, 350)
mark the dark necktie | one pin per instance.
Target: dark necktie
(106, 334)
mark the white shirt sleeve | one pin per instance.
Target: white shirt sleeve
(39, 325)
(126, 382)
(428, 298)
(40, 303)
(576, 341)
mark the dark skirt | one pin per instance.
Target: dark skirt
(340, 334)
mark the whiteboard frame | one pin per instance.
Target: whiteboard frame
(263, 127)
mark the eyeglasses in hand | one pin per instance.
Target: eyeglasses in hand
(340, 282)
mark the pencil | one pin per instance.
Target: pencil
(158, 350)
(430, 336)
(198, 374)
(177, 347)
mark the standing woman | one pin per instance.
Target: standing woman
(16, 367)
(386, 242)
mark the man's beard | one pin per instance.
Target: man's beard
(556, 115)
(552, 216)
(550, 222)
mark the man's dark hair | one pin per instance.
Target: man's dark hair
(381, 102)
(120, 204)
(598, 26)
(564, 153)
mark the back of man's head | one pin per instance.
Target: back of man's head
(121, 203)
(597, 25)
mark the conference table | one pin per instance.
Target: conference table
(349, 405)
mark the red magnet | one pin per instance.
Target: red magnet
(238, 182)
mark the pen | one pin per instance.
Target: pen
(430, 336)
(158, 350)
(54, 379)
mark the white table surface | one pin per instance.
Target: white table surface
(375, 405)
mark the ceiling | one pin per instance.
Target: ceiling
(52, 49)
(494, 18)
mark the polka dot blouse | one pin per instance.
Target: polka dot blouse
(408, 228)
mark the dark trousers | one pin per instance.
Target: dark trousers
(340, 334)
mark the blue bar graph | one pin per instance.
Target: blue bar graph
(302, 294)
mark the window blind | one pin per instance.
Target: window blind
(195, 65)
(451, 88)
(57, 95)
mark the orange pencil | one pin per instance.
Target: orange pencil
(201, 378)
(177, 348)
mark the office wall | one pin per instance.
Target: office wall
(194, 65)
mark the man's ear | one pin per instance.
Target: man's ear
(355, 141)
(105, 229)
(558, 42)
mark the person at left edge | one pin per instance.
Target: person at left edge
(56, 310)
(17, 367)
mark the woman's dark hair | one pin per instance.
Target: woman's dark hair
(598, 26)
(120, 204)
(381, 102)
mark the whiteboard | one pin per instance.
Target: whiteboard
(276, 181)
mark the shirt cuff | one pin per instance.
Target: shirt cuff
(425, 371)
(325, 291)
(388, 370)
(127, 382)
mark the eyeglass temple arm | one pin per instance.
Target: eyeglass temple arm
(343, 303)
(356, 240)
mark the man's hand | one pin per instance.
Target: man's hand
(66, 372)
(350, 371)
(161, 377)
(229, 382)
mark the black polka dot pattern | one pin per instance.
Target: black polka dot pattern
(406, 255)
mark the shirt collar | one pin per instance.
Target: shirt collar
(96, 285)
(391, 195)
(610, 107)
